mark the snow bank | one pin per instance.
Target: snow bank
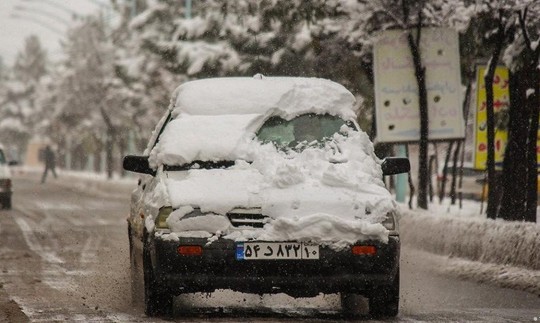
(503, 275)
(484, 240)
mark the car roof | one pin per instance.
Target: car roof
(261, 95)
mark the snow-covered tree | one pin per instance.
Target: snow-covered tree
(522, 57)
(89, 99)
(18, 109)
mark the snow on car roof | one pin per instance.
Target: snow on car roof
(213, 118)
(289, 96)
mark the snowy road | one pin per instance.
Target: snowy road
(63, 257)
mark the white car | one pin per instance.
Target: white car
(263, 185)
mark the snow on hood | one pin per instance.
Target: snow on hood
(333, 194)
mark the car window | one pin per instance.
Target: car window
(2, 157)
(306, 129)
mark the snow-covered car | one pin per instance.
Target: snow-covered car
(263, 185)
(5, 181)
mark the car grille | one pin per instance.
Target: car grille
(247, 218)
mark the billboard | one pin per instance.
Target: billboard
(396, 92)
(501, 102)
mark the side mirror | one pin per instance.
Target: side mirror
(13, 163)
(395, 165)
(138, 164)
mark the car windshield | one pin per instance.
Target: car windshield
(302, 131)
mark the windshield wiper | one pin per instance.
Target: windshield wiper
(198, 164)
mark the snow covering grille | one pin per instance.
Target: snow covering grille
(247, 218)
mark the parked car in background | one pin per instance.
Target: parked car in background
(5, 181)
(263, 185)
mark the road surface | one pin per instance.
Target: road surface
(64, 257)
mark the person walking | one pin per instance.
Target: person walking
(50, 163)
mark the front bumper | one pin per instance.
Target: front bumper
(218, 268)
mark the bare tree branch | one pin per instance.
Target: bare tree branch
(522, 17)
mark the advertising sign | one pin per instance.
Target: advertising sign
(501, 102)
(396, 91)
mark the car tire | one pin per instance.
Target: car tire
(350, 304)
(157, 302)
(135, 276)
(384, 302)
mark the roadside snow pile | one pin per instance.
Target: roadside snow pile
(331, 193)
(478, 239)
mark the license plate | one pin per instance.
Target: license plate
(276, 251)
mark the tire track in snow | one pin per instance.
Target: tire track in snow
(33, 243)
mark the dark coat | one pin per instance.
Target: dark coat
(50, 160)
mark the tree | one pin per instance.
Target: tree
(89, 98)
(520, 163)
(18, 106)
(500, 36)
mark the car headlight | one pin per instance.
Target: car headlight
(165, 212)
(390, 222)
(161, 219)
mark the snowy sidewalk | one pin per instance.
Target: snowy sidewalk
(502, 252)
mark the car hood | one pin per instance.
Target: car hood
(331, 193)
(287, 195)
(329, 210)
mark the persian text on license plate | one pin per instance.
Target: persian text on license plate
(276, 250)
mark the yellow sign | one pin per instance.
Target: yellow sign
(501, 100)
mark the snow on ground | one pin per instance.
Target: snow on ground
(464, 233)
(474, 247)
(427, 230)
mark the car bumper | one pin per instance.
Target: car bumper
(218, 268)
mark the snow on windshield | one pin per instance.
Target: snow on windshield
(207, 138)
(330, 193)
